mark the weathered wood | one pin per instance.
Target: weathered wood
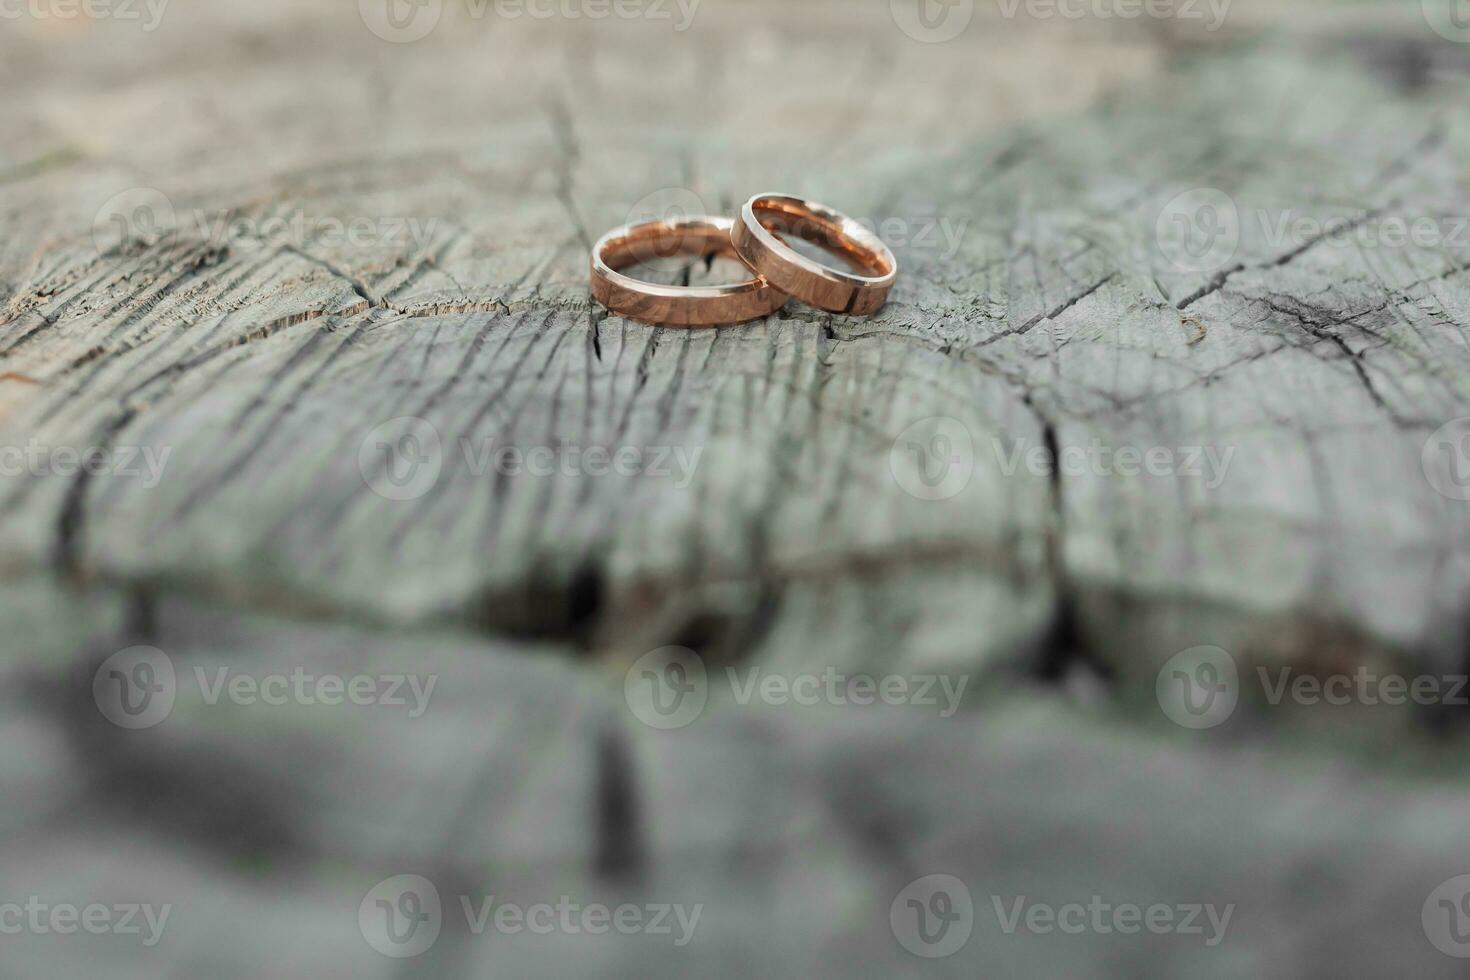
(1023, 170)
(793, 831)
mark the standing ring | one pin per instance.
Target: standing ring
(809, 281)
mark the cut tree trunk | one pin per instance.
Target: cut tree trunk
(241, 250)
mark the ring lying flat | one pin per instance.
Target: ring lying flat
(683, 306)
(809, 281)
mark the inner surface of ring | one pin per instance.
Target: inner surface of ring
(781, 218)
(661, 241)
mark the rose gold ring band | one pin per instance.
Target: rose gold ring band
(755, 240)
(683, 306)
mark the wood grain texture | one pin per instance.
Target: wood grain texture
(340, 232)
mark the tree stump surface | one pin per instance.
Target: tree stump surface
(241, 249)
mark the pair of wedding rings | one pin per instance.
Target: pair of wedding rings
(779, 271)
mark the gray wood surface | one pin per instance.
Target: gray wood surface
(1028, 173)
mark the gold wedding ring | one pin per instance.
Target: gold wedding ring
(757, 238)
(765, 217)
(681, 306)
